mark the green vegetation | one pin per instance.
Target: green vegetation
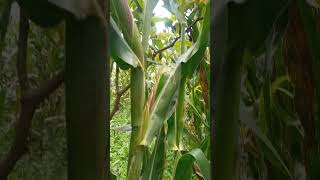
(254, 116)
(266, 122)
(70, 50)
(169, 124)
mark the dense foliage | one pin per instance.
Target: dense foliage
(172, 83)
(259, 121)
(46, 154)
(266, 61)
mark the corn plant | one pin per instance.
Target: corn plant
(255, 43)
(160, 114)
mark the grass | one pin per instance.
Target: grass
(119, 142)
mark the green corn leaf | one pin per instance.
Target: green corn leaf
(198, 114)
(163, 104)
(185, 164)
(155, 165)
(124, 16)
(120, 50)
(179, 113)
(194, 55)
(172, 133)
(130, 31)
(189, 59)
(128, 26)
(149, 6)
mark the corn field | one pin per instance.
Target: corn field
(168, 86)
(159, 89)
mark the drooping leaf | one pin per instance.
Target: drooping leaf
(163, 104)
(185, 164)
(120, 50)
(194, 55)
(149, 6)
(128, 26)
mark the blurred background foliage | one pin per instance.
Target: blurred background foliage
(46, 154)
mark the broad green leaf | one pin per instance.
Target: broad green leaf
(132, 36)
(128, 26)
(155, 165)
(194, 55)
(172, 133)
(184, 168)
(120, 50)
(163, 104)
(190, 58)
(124, 17)
(149, 6)
(179, 113)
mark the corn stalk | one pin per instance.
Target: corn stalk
(148, 118)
